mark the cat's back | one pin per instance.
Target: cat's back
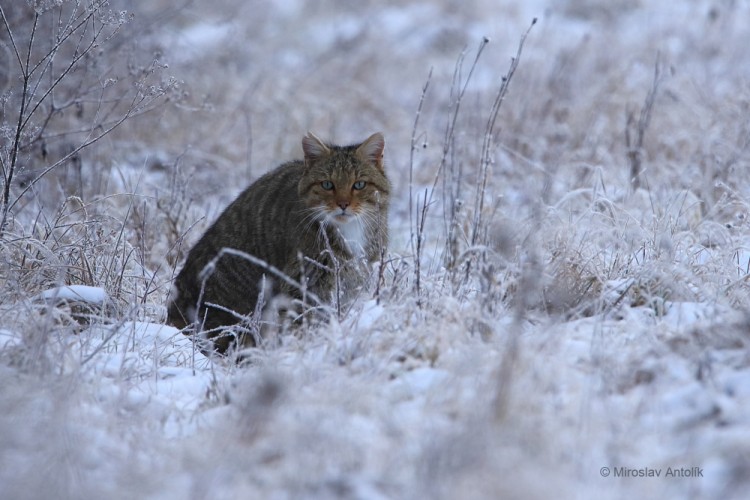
(254, 222)
(264, 209)
(269, 194)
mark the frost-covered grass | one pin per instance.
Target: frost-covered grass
(543, 314)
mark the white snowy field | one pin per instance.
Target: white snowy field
(565, 306)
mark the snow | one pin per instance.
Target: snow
(76, 293)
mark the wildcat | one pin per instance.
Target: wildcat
(308, 226)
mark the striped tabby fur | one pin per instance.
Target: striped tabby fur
(306, 219)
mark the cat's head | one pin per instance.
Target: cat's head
(343, 184)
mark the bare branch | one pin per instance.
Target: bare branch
(635, 145)
(487, 144)
(411, 154)
(78, 33)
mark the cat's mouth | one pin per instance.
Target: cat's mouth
(342, 216)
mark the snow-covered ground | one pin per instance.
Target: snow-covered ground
(577, 335)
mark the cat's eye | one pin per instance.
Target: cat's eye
(359, 185)
(327, 185)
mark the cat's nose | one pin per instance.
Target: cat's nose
(343, 205)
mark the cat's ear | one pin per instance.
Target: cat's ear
(313, 147)
(372, 149)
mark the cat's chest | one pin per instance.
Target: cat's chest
(354, 236)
